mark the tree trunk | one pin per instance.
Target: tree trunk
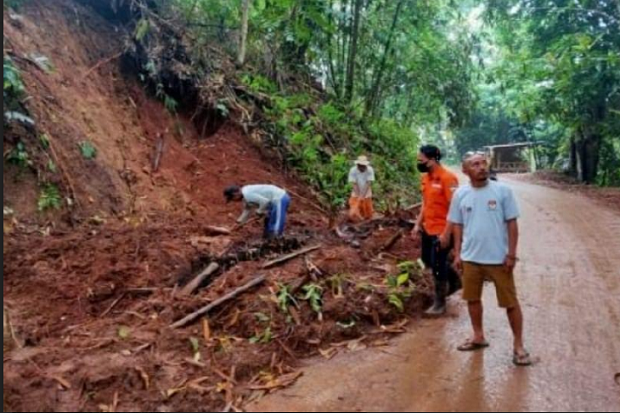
(588, 156)
(572, 160)
(353, 51)
(244, 32)
(373, 99)
(330, 53)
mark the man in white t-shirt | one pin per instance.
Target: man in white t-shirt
(362, 175)
(484, 215)
(268, 200)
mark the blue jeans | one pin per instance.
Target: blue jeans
(276, 217)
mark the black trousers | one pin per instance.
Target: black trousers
(437, 258)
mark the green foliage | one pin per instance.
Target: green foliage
(285, 299)
(265, 337)
(401, 286)
(142, 29)
(314, 296)
(49, 198)
(44, 140)
(170, 104)
(14, 4)
(259, 83)
(322, 148)
(88, 150)
(13, 84)
(559, 71)
(19, 156)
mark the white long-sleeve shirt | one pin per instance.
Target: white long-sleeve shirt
(259, 196)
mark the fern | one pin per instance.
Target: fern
(49, 198)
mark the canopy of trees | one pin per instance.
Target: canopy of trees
(552, 75)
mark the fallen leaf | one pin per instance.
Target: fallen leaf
(356, 345)
(145, 377)
(64, 383)
(124, 332)
(206, 331)
(282, 382)
(181, 387)
(329, 353)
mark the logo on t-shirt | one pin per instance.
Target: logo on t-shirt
(492, 205)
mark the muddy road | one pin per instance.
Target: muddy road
(569, 279)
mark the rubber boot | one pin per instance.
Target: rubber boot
(439, 306)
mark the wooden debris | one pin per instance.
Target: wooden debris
(145, 377)
(286, 349)
(329, 354)
(114, 304)
(101, 63)
(282, 382)
(196, 282)
(64, 383)
(392, 241)
(206, 331)
(288, 257)
(204, 310)
(211, 230)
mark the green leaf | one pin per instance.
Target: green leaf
(397, 302)
(402, 279)
(142, 29)
(124, 332)
(88, 150)
(195, 344)
(49, 198)
(45, 141)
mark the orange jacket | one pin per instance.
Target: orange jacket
(437, 190)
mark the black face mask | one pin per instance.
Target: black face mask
(423, 167)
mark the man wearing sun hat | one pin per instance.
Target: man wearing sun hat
(361, 176)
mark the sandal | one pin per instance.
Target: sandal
(473, 346)
(522, 360)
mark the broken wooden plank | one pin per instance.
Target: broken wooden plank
(195, 283)
(289, 257)
(204, 310)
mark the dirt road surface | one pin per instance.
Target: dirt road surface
(569, 279)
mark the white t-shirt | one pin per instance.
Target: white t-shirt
(484, 213)
(259, 196)
(362, 179)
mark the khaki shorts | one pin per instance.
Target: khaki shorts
(474, 276)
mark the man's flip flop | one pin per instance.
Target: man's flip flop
(471, 346)
(522, 360)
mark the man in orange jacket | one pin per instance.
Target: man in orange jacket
(438, 186)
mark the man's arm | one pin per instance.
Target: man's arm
(458, 246)
(419, 224)
(445, 238)
(247, 211)
(513, 244)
